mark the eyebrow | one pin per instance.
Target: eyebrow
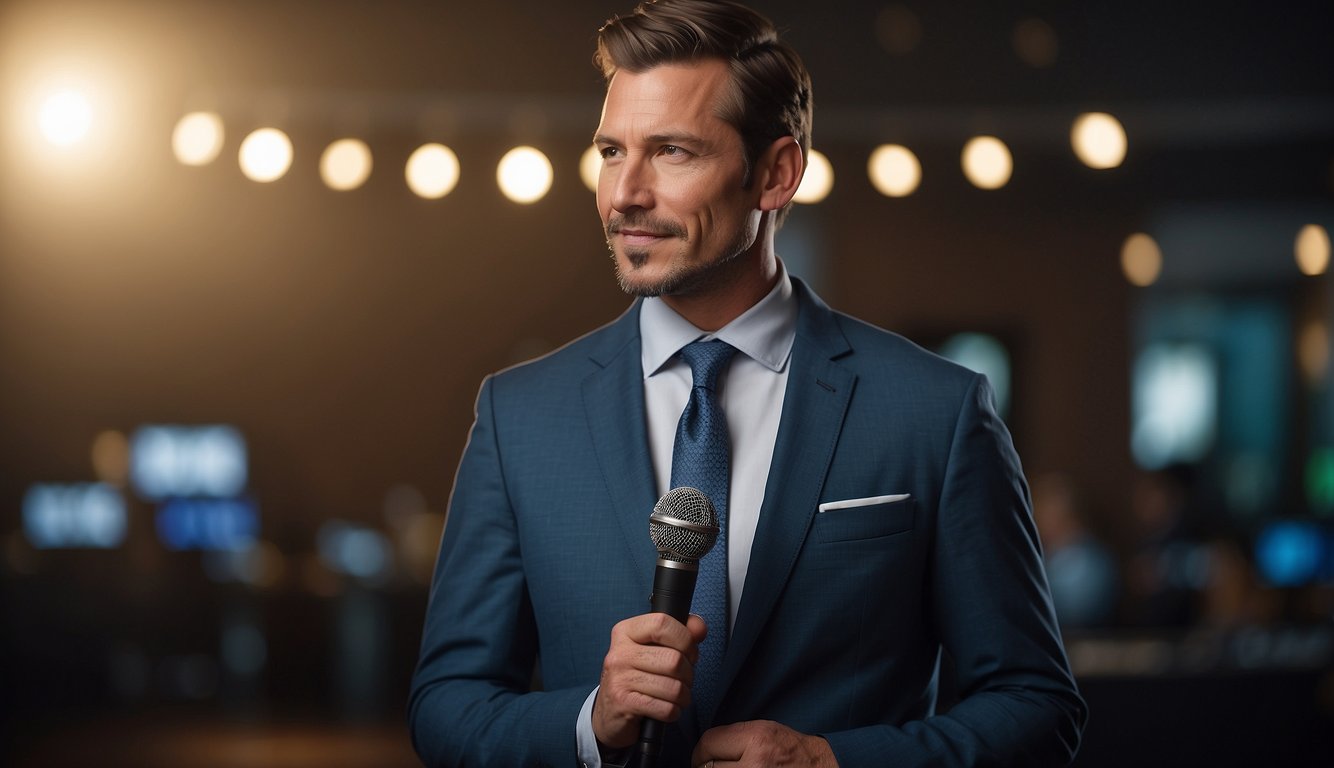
(658, 138)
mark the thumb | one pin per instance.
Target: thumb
(697, 628)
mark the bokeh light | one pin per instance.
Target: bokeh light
(74, 516)
(1099, 140)
(65, 117)
(818, 181)
(111, 457)
(1313, 351)
(894, 170)
(1035, 43)
(524, 175)
(1312, 250)
(987, 162)
(590, 167)
(197, 139)
(345, 164)
(898, 29)
(1141, 260)
(265, 155)
(432, 171)
(1288, 553)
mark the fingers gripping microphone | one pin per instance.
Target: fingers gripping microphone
(683, 527)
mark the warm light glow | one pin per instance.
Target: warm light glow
(345, 164)
(898, 29)
(432, 171)
(65, 118)
(197, 139)
(1312, 250)
(266, 154)
(1098, 140)
(1035, 43)
(1141, 260)
(1313, 351)
(111, 457)
(987, 162)
(894, 170)
(817, 182)
(524, 175)
(590, 167)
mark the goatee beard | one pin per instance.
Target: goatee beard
(680, 278)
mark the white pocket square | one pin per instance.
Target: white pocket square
(863, 502)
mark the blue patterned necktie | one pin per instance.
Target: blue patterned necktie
(701, 458)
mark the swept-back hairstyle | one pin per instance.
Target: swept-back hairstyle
(771, 93)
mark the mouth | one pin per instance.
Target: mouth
(640, 237)
(642, 231)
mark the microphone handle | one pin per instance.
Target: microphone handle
(673, 589)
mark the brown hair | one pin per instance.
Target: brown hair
(772, 90)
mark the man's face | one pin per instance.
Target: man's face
(670, 192)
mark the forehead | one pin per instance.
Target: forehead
(685, 95)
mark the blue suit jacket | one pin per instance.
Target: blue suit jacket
(844, 613)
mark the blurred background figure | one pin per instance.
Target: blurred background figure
(254, 258)
(1168, 569)
(1081, 569)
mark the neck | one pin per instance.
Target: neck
(744, 281)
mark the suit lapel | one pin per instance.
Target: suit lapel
(614, 404)
(816, 400)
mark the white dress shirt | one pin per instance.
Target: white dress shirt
(751, 391)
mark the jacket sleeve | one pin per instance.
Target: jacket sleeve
(471, 703)
(1018, 703)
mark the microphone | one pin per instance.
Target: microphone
(684, 527)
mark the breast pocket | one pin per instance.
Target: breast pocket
(850, 521)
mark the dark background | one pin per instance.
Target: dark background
(345, 334)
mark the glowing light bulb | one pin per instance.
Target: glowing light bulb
(1141, 260)
(432, 171)
(1098, 140)
(65, 118)
(987, 162)
(894, 170)
(818, 180)
(590, 167)
(1312, 250)
(197, 139)
(266, 154)
(345, 164)
(524, 175)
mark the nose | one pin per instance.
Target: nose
(631, 183)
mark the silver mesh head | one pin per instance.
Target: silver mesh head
(683, 525)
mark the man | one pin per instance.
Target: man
(874, 509)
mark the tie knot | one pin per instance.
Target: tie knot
(706, 359)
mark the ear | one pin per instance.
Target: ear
(778, 173)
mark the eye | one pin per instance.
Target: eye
(671, 150)
(609, 152)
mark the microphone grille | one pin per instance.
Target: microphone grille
(684, 525)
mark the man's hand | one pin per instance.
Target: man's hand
(760, 743)
(647, 673)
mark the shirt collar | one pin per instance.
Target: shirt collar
(764, 333)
